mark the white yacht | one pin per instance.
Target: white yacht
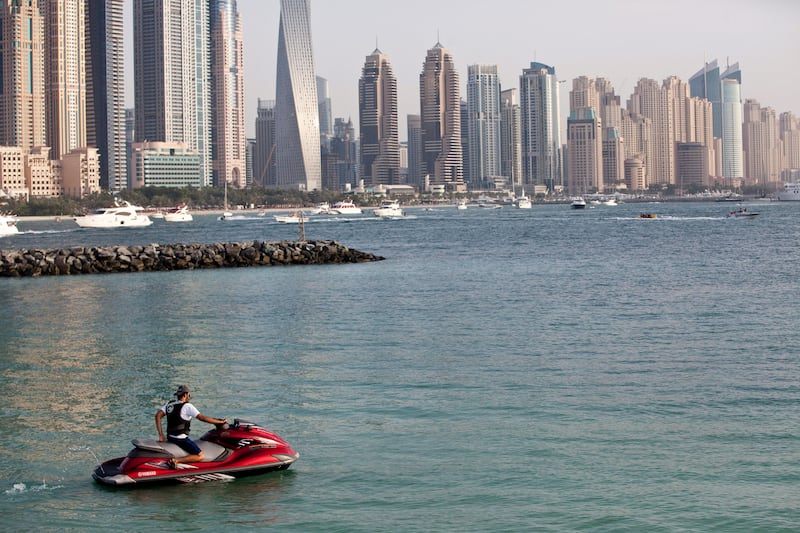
(523, 202)
(323, 208)
(346, 207)
(121, 215)
(790, 192)
(389, 209)
(8, 225)
(292, 218)
(179, 213)
(462, 204)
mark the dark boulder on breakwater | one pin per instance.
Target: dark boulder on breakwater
(167, 257)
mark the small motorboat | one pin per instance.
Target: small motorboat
(231, 451)
(742, 213)
(578, 203)
(648, 215)
(291, 218)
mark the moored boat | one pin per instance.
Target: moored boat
(790, 192)
(121, 215)
(523, 202)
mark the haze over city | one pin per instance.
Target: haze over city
(621, 40)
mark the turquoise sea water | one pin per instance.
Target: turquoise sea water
(502, 370)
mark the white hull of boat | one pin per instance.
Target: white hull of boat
(8, 226)
(790, 193)
(122, 215)
(290, 219)
(179, 214)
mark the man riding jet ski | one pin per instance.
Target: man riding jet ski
(225, 452)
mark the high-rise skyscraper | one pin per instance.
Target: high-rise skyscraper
(584, 151)
(325, 111)
(732, 157)
(296, 109)
(378, 120)
(65, 75)
(264, 167)
(440, 112)
(172, 81)
(706, 83)
(227, 67)
(105, 90)
(510, 138)
(541, 127)
(483, 115)
(22, 97)
(414, 133)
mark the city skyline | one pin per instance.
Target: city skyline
(760, 37)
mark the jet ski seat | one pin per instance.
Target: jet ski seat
(211, 451)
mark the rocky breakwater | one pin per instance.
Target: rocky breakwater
(166, 257)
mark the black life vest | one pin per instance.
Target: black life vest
(175, 424)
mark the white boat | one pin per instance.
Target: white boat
(578, 203)
(121, 215)
(8, 225)
(345, 207)
(610, 201)
(790, 192)
(157, 215)
(323, 208)
(292, 218)
(523, 202)
(389, 209)
(462, 204)
(179, 213)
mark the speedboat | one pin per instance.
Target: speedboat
(179, 213)
(345, 207)
(123, 214)
(462, 204)
(8, 225)
(230, 451)
(610, 201)
(578, 203)
(389, 209)
(291, 218)
(648, 215)
(323, 208)
(742, 213)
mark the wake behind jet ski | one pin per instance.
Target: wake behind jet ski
(230, 451)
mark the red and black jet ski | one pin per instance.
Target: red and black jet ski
(229, 451)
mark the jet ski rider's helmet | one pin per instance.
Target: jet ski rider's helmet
(183, 389)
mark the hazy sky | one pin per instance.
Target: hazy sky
(620, 40)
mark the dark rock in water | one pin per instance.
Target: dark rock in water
(166, 257)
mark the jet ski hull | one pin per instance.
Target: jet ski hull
(242, 450)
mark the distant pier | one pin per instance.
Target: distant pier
(168, 257)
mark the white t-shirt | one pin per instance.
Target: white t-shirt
(188, 411)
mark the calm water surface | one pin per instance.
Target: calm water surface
(502, 370)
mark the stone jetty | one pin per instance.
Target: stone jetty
(167, 257)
